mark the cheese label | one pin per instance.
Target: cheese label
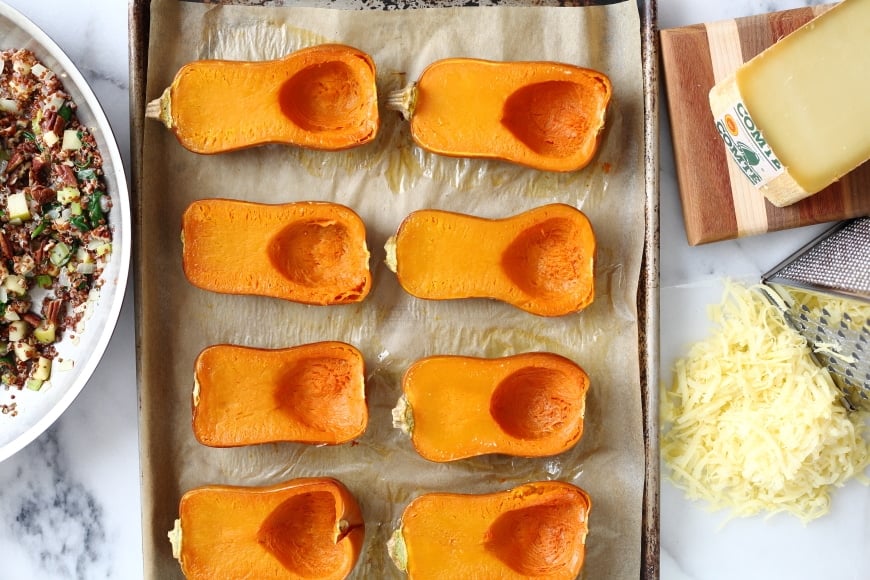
(747, 145)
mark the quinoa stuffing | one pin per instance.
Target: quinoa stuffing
(54, 233)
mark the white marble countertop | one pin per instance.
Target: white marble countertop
(69, 503)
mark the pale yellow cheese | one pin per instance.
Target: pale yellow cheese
(806, 106)
(752, 424)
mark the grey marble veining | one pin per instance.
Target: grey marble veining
(50, 515)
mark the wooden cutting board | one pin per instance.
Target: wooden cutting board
(718, 202)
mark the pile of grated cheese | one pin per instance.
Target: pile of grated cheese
(751, 423)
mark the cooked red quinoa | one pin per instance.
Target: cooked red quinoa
(54, 232)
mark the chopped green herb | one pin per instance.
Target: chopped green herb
(66, 112)
(81, 222)
(95, 207)
(84, 164)
(85, 174)
(6, 361)
(40, 227)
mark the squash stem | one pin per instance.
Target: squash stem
(391, 261)
(161, 109)
(403, 100)
(403, 416)
(397, 550)
(175, 539)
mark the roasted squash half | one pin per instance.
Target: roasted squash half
(544, 115)
(313, 393)
(307, 528)
(536, 530)
(530, 405)
(321, 97)
(541, 261)
(308, 252)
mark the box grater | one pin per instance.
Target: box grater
(825, 287)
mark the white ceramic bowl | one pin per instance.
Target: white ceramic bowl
(38, 410)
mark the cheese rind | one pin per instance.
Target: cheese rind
(806, 101)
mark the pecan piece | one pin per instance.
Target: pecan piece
(59, 125)
(5, 248)
(51, 310)
(52, 121)
(65, 175)
(37, 167)
(48, 118)
(15, 160)
(23, 152)
(40, 252)
(32, 318)
(42, 194)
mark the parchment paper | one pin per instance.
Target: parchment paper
(383, 182)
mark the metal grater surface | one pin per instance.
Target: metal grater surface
(825, 287)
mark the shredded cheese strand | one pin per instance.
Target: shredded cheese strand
(752, 424)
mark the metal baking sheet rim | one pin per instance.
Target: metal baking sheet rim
(648, 290)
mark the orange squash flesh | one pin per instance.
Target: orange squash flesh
(541, 261)
(529, 405)
(308, 252)
(536, 530)
(321, 97)
(307, 528)
(544, 115)
(313, 393)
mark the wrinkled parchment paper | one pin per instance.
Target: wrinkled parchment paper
(383, 182)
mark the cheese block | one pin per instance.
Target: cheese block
(796, 117)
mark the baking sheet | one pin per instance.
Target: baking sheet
(384, 182)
